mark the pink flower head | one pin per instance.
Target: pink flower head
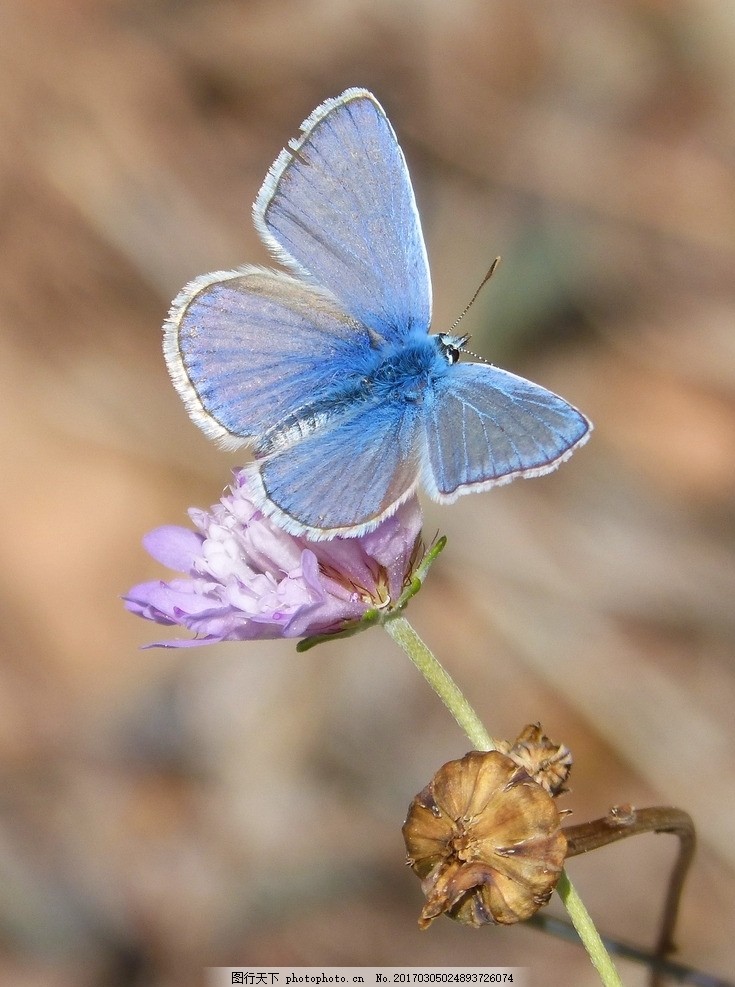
(244, 578)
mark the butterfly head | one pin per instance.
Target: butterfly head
(451, 346)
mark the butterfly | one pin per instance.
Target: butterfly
(329, 371)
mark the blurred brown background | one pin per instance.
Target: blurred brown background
(163, 811)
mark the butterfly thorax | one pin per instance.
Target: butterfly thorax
(403, 373)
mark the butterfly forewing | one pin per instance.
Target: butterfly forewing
(247, 349)
(338, 205)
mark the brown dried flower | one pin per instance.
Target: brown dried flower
(546, 762)
(486, 841)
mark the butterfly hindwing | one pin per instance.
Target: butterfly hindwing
(347, 475)
(485, 426)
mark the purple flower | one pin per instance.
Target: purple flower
(245, 578)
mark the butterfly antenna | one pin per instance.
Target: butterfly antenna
(469, 304)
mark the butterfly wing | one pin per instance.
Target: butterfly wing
(248, 349)
(485, 427)
(337, 207)
(345, 477)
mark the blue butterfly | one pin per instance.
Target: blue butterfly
(330, 372)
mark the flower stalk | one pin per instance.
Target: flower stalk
(441, 682)
(599, 956)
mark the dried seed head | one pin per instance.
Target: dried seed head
(486, 841)
(546, 762)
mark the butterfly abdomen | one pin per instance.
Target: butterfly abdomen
(312, 417)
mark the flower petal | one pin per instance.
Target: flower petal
(173, 546)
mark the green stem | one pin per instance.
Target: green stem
(447, 690)
(587, 932)
(441, 682)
